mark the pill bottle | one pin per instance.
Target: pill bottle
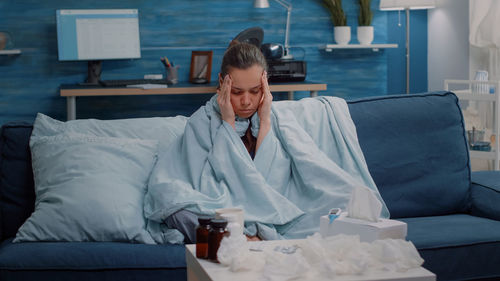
(233, 226)
(217, 232)
(202, 232)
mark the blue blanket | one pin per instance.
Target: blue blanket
(308, 163)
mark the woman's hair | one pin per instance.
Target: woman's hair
(242, 56)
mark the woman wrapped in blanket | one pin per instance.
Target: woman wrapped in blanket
(243, 91)
(284, 163)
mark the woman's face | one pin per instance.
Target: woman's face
(246, 90)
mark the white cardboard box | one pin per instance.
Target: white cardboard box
(368, 231)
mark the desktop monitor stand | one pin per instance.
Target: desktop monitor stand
(94, 72)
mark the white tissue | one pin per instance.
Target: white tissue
(280, 266)
(234, 251)
(364, 204)
(317, 258)
(347, 255)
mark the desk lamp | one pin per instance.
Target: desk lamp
(407, 5)
(288, 7)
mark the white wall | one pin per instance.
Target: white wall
(448, 44)
(479, 58)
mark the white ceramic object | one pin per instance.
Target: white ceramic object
(365, 35)
(229, 214)
(342, 34)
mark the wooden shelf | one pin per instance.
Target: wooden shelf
(374, 47)
(466, 90)
(10, 52)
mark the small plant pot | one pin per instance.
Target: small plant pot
(365, 35)
(342, 34)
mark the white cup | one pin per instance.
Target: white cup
(231, 214)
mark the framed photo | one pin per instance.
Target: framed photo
(201, 67)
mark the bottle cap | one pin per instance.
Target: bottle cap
(219, 223)
(204, 220)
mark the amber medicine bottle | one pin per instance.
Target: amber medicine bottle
(217, 232)
(202, 232)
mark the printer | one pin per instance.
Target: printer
(281, 67)
(286, 70)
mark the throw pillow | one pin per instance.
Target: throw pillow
(89, 188)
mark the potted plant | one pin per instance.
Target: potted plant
(341, 32)
(365, 30)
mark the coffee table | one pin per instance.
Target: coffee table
(204, 270)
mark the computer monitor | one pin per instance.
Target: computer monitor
(94, 35)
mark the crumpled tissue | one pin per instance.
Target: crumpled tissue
(347, 255)
(317, 257)
(364, 205)
(234, 251)
(285, 266)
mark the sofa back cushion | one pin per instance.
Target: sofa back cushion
(17, 195)
(416, 152)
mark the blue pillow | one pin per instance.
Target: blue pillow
(89, 188)
(163, 129)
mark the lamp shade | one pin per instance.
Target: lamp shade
(392, 5)
(261, 4)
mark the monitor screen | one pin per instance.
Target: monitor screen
(101, 34)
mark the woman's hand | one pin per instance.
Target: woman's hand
(264, 110)
(253, 238)
(224, 101)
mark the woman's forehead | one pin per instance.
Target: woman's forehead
(246, 78)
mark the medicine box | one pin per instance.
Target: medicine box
(368, 231)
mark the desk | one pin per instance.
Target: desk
(73, 91)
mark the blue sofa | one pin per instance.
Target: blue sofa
(416, 151)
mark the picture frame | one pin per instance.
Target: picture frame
(201, 67)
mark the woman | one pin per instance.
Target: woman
(285, 165)
(244, 91)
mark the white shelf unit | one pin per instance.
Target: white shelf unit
(10, 52)
(467, 93)
(374, 47)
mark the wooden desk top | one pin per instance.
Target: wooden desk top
(67, 90)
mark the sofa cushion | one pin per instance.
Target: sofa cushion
(17, 195)
(457, 247)
(416, 152)
(89, 189)
(89, 255)
(91, 261)
(485, 194)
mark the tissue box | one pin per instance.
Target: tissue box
(368, 231)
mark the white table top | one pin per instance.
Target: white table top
(204, 270)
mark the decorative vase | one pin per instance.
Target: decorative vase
(365, 35)
(342, 34)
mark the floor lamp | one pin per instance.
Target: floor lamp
(407, 5)
(288, 7)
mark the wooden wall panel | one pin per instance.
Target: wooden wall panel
(29, 82)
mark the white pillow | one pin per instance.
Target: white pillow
(89, 188)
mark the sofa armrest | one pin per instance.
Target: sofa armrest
(485, 194)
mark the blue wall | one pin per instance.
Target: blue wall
(29, 82)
